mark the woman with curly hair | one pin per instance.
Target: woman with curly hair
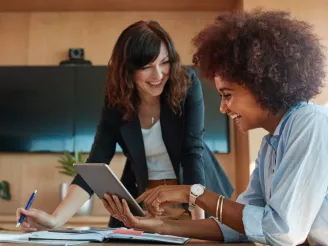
(154, 109)
(266, 66)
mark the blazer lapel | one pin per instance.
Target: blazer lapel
(172, 129)
(131, 133)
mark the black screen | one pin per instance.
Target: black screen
(36, 107)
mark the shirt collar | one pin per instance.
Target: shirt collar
(286, 116)
(273, 140)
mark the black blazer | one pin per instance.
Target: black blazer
(192, 160)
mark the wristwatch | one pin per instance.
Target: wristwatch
(196, 190)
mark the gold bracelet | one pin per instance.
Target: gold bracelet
(217, 207)
(221, 208)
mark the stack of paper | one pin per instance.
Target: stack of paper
(13, 236)
(23, 238)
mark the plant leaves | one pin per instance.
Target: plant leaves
(66, 173)
(67, 161)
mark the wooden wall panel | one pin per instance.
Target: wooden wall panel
(44, 38)
(11, 171)
(14, 36)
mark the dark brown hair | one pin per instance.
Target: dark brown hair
(138, 45)
(279, 59)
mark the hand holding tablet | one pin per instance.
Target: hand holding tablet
(101, 180)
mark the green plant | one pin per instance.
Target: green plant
(4, 190)
(67, 162)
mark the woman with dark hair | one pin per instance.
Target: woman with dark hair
(154, 110)
(266, 66)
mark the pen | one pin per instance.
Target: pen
(29, 203)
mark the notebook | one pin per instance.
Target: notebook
(106, 235)
(23, 238)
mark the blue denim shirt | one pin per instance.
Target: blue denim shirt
(287, 199)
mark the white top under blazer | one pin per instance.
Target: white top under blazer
(159, 164)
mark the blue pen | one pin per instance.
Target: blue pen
(29, 203)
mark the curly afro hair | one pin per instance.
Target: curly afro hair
(279, 59)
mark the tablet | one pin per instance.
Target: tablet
(102, 179)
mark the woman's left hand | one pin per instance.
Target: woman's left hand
(119, 209)
(156, 198)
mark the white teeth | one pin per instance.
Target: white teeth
(235, 116)
(156, 83)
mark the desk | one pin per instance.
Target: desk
(192, 242)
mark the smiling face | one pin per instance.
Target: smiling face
(152, 78)
(240, 104)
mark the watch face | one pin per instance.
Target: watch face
(197, 190)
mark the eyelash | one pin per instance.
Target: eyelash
(226, 96)
(143, 68)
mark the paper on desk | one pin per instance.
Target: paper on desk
(76, 236)
(23, 238)
(13, 236)
(46, 242)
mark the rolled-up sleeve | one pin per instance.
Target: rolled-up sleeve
(252, 195)
(229, 234)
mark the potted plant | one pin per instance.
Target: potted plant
(66, 168)
(4, 190)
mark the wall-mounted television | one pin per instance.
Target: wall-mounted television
(57, 108)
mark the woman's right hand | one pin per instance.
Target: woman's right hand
(36, 220)
(158, 197)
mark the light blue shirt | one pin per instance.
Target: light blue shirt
(287, 197)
